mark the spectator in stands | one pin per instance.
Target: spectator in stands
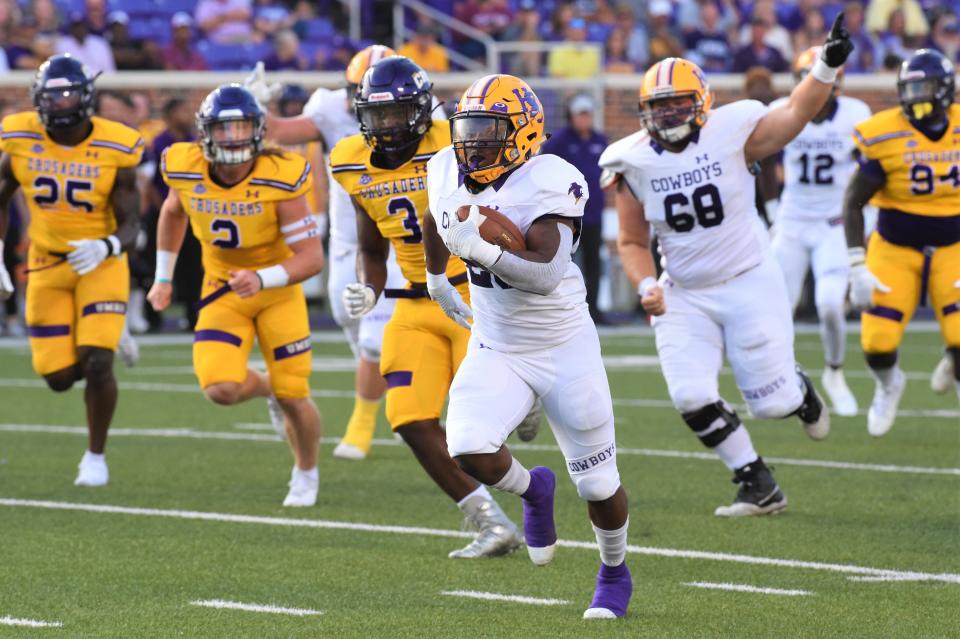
(615, 58)
(758, 53)
(46, 16)
(90, 49)
(116, 106)
(707, 44)
(813, 33)
(10, 18)
(776, 36)
(44, 46)
(944, 35)
(638, 45)
(574, 59)
(225, 21)
(525, 28)
(20, 52)
(894, 44)
(339, 58)
(286, 55)
(270, 17)
(425, 51)
(879, 16)
(581, 145)
(664, 43)
(864, 56)
(98, 22)
(490, 16)
(128, 53)
(689, 18)
(180, 54)
(555, 29)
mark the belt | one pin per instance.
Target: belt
(418, 290)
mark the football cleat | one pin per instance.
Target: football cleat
(813, 415)
(883, 408)
(128, 348)
(498, 535)
(530, 426)
(612, 596)
(303, 489)
(348, 451)
(277, 418)
(92, 471)
(539, 529)
(941, 381)
(834, 383)
(758, 494)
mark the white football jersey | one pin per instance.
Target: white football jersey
(700, 201)
(505, 318)
(331, 113)
(818, 163)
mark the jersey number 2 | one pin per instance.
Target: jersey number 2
(410, 222)
(232, 240)
(52, 188)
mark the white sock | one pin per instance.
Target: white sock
(94, 457)
(613, 544)
(313, 474)
(736, 450)
(516, 481)
(481, 491)
(833, 333)
(885, 376)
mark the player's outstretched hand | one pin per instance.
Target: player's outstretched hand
(838, 46)
(256, 83)
(160, 295)
(359, 299)
(87, 255)
(443, 293)
(245, 283)
(6, 284)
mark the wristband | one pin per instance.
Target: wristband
(273, 276)
(646, 284)
(487, 254)
(856, 255)
(824, 73)
(113, 245)
(166, 263)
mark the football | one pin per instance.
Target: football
(496, 228)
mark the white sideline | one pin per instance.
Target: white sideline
(163, 387)
(437, 532)
(748, 588)
(188, 433)
(236, 605)
(29, 623)
(495, 596)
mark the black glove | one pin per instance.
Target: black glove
(838, 45)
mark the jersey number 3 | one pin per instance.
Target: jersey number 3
(410, 222)
(707, 209)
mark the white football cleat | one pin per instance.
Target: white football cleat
(941, 381)
(883, 409)
(277, 419)
(497, 534)
(834, 383)
(128, 348)
(348, 451)
(303, 489)
(93, 471)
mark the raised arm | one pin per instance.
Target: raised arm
(782, 124)
(633, 246)
(171, 228)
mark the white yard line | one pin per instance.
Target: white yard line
(495, 596)
(187, 433)
(29, 623)
(236, 605)
(437, 532)
(748, 588)
(887, 578)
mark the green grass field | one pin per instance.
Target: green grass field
(193, 513)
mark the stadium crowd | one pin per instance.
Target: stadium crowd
(720, 35)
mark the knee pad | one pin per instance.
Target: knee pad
(713, 423)
(595, 475)
(468, 440)
(881, 361)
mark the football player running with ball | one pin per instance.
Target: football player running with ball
(532, 337)
(247, 205)
(817, 167)
(910, 167)
(384, 169)
(78, 175)
(688, 175)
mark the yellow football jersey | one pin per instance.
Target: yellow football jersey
(67, 188)
(923, 176)
(396, 199)
(237, 225)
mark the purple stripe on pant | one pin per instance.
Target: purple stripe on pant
(213, 335)
(886, 312)
(118, 307)
(951, 308)
(53, 330)
(292, 349)
(399, 378)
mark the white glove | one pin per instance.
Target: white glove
(256, 83)
(6, 284)
(463, 239)
(88, 254)
(448, 297)
(862, 281)
(359, 299)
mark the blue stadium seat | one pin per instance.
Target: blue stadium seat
(170, 7)
(135, 8)
(232, 57)
(318, 30)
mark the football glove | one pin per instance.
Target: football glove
(87, 254)
(359, 299)
(443, 293)
(862, 281)
(463, 240)
(838, 45)
(6, 284)
(256, 83)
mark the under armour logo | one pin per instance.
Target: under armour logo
(92, 154)
(252, 194)
(703, 158)
(420, 168)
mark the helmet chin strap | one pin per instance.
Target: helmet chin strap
(677, 133)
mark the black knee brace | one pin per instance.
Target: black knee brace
(702, 420)
(881, 361)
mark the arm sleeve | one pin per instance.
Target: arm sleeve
(541, 278)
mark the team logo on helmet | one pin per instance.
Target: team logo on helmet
(576, 191)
